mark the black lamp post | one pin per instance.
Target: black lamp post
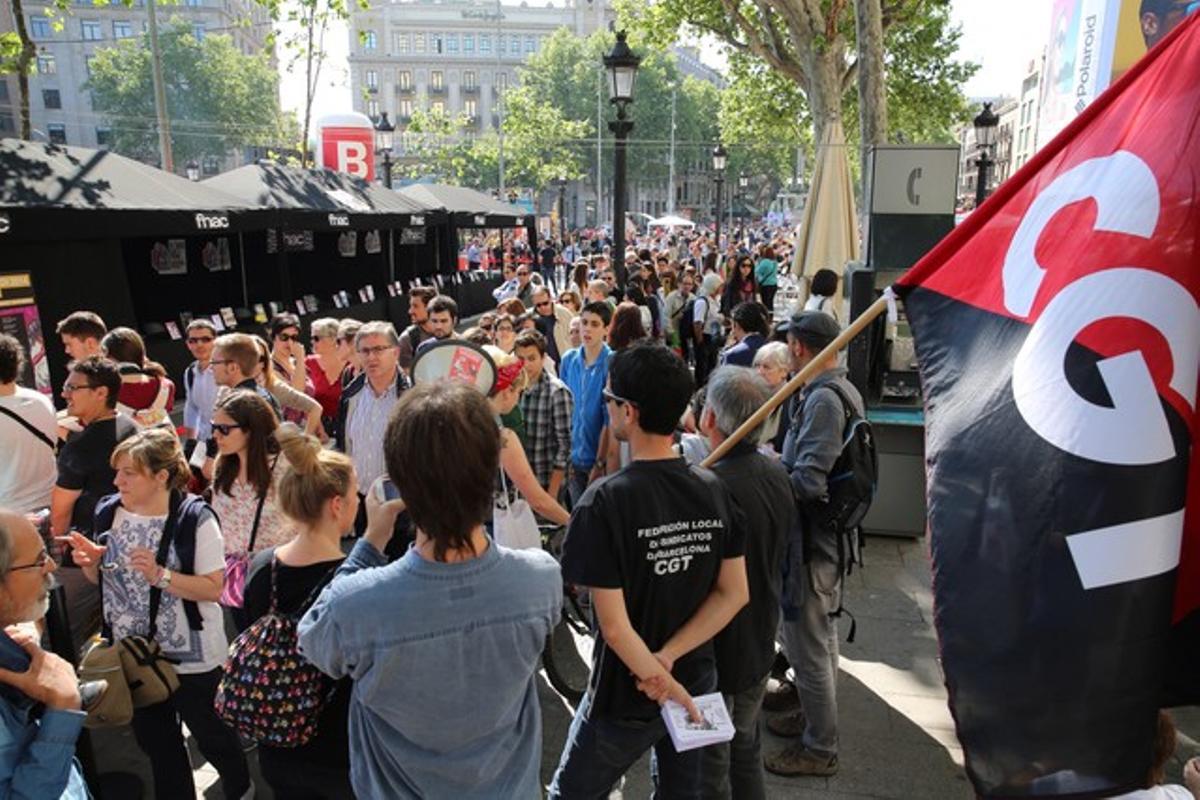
(622, 65)
(193, 171)
(561, 183)
(383, 144)
(718, 161)
(985, 138)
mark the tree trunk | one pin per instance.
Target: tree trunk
(823, 67)
(24, 61)
(872, 92)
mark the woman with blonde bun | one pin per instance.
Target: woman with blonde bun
(318, 491)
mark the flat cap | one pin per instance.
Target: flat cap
(812, 325)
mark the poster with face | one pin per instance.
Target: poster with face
(19, 319)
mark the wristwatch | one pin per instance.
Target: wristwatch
(164, 579)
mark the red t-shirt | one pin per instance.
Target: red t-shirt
(139, 396)
(324, 392)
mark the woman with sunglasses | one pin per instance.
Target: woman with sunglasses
(325, 367)
(287, 351)
(243, 489)
(740, 286)
(151, 476)
(297, 406)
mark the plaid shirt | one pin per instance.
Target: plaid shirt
(547, 407)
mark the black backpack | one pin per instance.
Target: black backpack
(686, 331)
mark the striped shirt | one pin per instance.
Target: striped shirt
(364, 432)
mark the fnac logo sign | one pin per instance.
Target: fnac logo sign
(349, 149)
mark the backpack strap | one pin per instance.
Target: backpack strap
(262, 501)
(189, 377)
(27, 425)
(160, 558)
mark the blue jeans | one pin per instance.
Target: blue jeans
(599, 751)
(577, 482)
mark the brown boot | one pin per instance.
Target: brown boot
(796, 760)
(780, 696)
(787, 725)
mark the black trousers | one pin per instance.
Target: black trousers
(159, 733)
(292, 779)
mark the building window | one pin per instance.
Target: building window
(485, 43)
(6, 122)
(45, 64)
(418, 43)
(502, 81)
(373, 109)
(436, 80)
(103, 137)
(369, 42)
(90, 28)
(3, 90)
(39, 28)
(438, 107)
(469, 81)
(400, 42)
(405, 109)
(210, 165)
(371, 78)
(471, 108)
(514, 45)
(198, 31)
(57, 132)
(436, 45)
(468, 43)
(51, 98)
(194, 3)
(452, 43)
(87, 65)
(404, 79)
(122, 29)
(530, 44)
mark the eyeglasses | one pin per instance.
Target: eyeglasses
(199, 339)
(521, 273)
(542, 304)
(224, 429)
(40, 563)
(69, 388)
(367, 352)
(288, 337)
(620, 401)
(216, 362)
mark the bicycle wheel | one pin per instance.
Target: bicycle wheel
(567, 656)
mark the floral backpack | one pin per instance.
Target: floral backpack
(270, 694)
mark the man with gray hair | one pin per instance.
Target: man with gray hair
(367, 402)
(40, 709)
(746, 647)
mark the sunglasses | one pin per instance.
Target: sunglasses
(72, 388)
(620, 401)
(288, 337)
(542, 304)
(199, 339)
(222, 429)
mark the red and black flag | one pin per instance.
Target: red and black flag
(1058, 335)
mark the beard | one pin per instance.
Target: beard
(37, 608)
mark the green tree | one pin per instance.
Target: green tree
(218, 99)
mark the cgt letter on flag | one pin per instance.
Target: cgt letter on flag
(1058, 335)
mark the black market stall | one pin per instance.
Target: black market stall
(89, 229)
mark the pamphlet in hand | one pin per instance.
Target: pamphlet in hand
(687, 734)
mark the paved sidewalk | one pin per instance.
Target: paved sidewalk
(897, 737)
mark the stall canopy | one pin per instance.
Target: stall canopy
(671, 221)
(50, 191)
(322, 199)
(467, 207)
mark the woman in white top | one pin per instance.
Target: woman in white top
(27, 432)
(821, 292)
(151, 476)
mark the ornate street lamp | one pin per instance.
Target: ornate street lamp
(622, 65)
(719, 157)
(383, 145)
(985, 137)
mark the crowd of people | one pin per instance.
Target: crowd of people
(322, 491)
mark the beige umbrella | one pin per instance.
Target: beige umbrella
(828, 233)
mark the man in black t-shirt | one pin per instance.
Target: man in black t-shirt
(546, 258)
(659, 543)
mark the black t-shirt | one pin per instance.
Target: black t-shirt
(548, 254)
(763, 492)
(83, 465)
(545, 325)
(331, 745)
(658, 530)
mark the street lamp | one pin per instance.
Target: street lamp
(718, 162)
(383, 144)
(743, 185)
(193, 171)
(622, 65)
(985, 137)
(561, 183)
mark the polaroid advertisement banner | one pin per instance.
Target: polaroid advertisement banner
(19, 319)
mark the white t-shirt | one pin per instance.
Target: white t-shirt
(1167, 791)
(27, 470)
(705, 312)
(127, 593)
(816, 302)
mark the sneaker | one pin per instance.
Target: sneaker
(787, 725)
(780, 696)
(796, 760)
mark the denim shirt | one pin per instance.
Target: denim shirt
(443, 658)
(37, 757)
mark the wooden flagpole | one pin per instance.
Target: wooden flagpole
(802, 377)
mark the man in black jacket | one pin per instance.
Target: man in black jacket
(746, 647)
